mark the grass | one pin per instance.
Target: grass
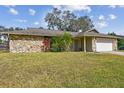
(121, 50)
(73, 69)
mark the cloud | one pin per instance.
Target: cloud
(101, 17)
(112, 17)
(36, 23)
(74, 8)
(21, 20)
(121, 6)
(91, 16)
(113, 6)
(57, 6)
(102, 24)
(116, 6)
(13, 11)
(32, 12)
(9, 6)
(12, 5)
(103, 21)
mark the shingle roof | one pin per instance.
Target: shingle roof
(121, 36)
(44, 32)
(96, 34)
(39, 32)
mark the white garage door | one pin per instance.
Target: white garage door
(104, 45)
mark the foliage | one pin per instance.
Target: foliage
(113, 34)
(82, 23)
(56, 44)
(2, 28)
(67, 21)
(62, 43)
(53, 19)
(120, 43)
(18, 28)
(66, 41)
(40, 28)
(120, 40)
(1, 41)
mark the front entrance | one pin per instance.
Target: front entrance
(78, 45)
(81, 44)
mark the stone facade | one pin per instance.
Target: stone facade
(115, 46)
(23, 43)
(93, 44)
(19, 43)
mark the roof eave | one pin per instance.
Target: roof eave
(98, 36)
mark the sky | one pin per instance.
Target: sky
(107, 18)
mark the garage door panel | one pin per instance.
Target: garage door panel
(104, 45)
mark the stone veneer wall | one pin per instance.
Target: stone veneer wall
(21, 43)
(115, 46)
(93, 44)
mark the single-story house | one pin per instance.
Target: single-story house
(32, 40)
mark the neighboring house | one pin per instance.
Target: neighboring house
(34, 40)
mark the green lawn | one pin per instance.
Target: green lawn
(121, 50)
(74, 69)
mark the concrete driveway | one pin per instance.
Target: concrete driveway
(117, 53)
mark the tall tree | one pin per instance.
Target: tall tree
(84, 23)
(2, 28)
(18, 28)
(50, 20)
(41, 28)
(11, 29)
(66, 20)
(113, 33)
(53, 19)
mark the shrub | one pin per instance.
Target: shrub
(120, 43)
(62, 43)
(56, 44)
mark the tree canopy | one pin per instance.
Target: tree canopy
(120, 41)
(113, 33)
(67, 21)
(2, 28)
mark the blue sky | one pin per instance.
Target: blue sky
(106, 18)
